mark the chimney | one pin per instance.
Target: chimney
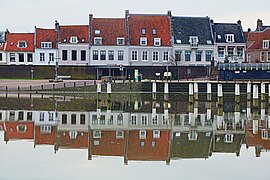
(169, 13)
(90, 26)
(249, 30)
(57, 33)
(127, 27)
(259, 24)
(211, 21)
(126, 13)
(239, 23)
(56, 25)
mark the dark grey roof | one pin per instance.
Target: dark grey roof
(228, 28)
(184, 27)
(263, 28)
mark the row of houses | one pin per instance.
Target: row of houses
(136, 40)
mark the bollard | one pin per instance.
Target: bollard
(196, 91)
(18, 88)
(84, 83)
(53, 86)
(209, 91)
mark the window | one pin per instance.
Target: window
(230, 51)
(97, 31)
(41, 56)
(95, 54)
(102, 120)
(50, 116)
(143, 31)
(73, 134)
(144, 120)
(120, 41)
(41, 116)
(198, 55)
(178, 55)
(120, 119)
(193, 41)
(12, 116)
(21, 57)
(164, 120)
(156, 134)
(228, 138)
(187, 55)
(20, 116)
(265, 134)
(154, 120)
(21, 128)
(120, 55)
(98, 41)
(154, 31)
(73, 119)
(97, 134)
(22, 44)
(94, 119)
(1, 118)
(155, 56)
(64, 118)
(240, 52)
(111, 55)
(134, 55)
(45, 129)
(268, 56)
(143, 41)
(12, 57)
(110, 120)
(74, 55)
(119, 134)
(133, 119)
(262, 56)
(142, 134)
(1, 57)
(266, 44)
(46, 44)
(82, 119)
(51, 57)
(29, 116)
(229, 38)
(73, 39)
(221, 52)
(157, 41)
(29, 57)
(144, 56)
(208, 55)
(102, 55)
(64, 55)
(83, 55)
(165, 56)
(192, 135)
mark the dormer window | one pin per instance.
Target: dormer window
(65, 40)
(22, 44)
(178, 41)
(143, 41)
(98, 41)
(73, 39)
(120, 41)
(229, 38)
(157, 41)
(46, 44)
(219, 36)
(154, 31)
(193, 41)
(228, 138)
(143, 31)
(208, 42)
(21, 128)
(97, 31)
(266, 44)
(83, 40)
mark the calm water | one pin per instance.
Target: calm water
(136, 136)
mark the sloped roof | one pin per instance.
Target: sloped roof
(66, 142)
(12, 132)
(159, 22)
(79, 31)
(255, 39)
(110, 29)
(14, 38)
(184, 27)
(228, 28)
(45, 35)
(45, 138)
(2, 46)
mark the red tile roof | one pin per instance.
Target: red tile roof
(45, 138)
(110, 29)
(13, 133)
(45, 35)
(256, 139)
(79, 31)
(255, 39)
(14, 38)
(160, 22)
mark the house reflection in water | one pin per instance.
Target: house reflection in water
(147, 133)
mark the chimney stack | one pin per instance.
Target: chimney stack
(169, 13)
(211, 21)
(239, 23)
(259, 24)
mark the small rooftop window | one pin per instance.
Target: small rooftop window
(219, 36)
(97, 31)
(65, 40)
(73, 39)
(22, 44)
(143, 31)
(208, 42)
(229, 38)
(154, 31)
(178, 41)
(83, 40)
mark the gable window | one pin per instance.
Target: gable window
(73, 119)
(21, 57)
(155, 56)
(229, 38)
(157, 41)
(95, 54)
(144, 56)
(45, 129)
(46, 44)
(221, 52)
(228, 138)
(73, 39)
(51, 57)
(178, 54)
(120, 41)
(74, 55)
(64, 118)
(208, 55)
(143, 31)
(154, 31)
(240, 52)
(165, 56)
(83, 55)
(41, 56)
(198, 55)
(119, 134)
(111, 55)
(265, 134)
(21, 128)
(142, 134)
(143, 41)
(230, 51)
(102, 55)
(134, 55)
(22, 44)
(120, 55)
(98, 41)
(12, 57)
(192, 135)
(97, 31)
(156, 134)
(29, 57)
(64, 55)
(193, 40)
(266, 44)
(187, 55)
(133, 119)
(262, 56)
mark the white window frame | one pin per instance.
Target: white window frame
(96, 134)
(134, 55)
(157, 41)
(120, 41)
(46, 45)
(51, 57)
(142, 134)
(144, 55)
(155, 55)
(143, 41)
(154, 120)
(133, 119)
(229, 38)
(156, 134)
(21, 130)
(144, 119)
(45, 129)
(192, 135)
(193, 41)
(73, 39)
(97, 41)
(265, 134)
(20, 43)
(12, 57)
(221, 49)
(228, 138)
(97, 31)
(165, 56)
(73, 134)
(268, 56)
(266, 44)
(262, 56)
(41, 57)
(119, 134)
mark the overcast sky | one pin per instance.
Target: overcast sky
(23, 15)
